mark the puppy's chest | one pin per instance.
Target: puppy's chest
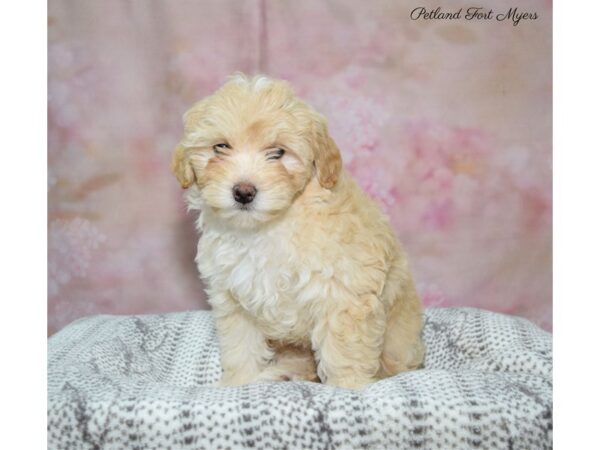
(264, 275)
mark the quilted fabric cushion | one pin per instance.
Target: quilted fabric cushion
(146, 382)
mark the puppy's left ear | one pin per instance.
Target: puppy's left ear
(182, 168)
(328, 160)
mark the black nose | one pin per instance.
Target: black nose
(244, 193)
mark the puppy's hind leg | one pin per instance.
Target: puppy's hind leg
(291, 364)
(403, 347)
(348, 340)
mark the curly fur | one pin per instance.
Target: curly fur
(309, 276)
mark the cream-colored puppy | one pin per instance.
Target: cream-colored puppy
(302, 269)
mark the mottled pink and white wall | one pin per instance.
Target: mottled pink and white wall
(446, 123)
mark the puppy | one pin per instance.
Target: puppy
(302, 270)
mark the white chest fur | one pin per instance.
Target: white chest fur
(264, 273)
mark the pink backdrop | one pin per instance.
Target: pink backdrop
(446, 123)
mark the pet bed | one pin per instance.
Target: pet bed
(146, 382)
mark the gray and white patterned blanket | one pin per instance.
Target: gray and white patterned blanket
(145, 382)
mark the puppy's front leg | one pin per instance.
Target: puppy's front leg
(348, 341)
(244, 350)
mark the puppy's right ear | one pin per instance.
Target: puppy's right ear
(180, 161)
(182, 168)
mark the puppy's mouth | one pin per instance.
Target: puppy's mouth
(242, 207)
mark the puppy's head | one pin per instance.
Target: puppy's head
(250, 149)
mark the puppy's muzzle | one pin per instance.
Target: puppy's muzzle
(244, 193)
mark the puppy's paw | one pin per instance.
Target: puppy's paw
(275, 373)
(355, 383)
(229, 379)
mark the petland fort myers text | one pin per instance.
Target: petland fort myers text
(473, 13)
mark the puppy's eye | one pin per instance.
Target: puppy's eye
(219, 149)
(277, 154)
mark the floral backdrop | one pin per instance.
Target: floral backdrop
(446, 123)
